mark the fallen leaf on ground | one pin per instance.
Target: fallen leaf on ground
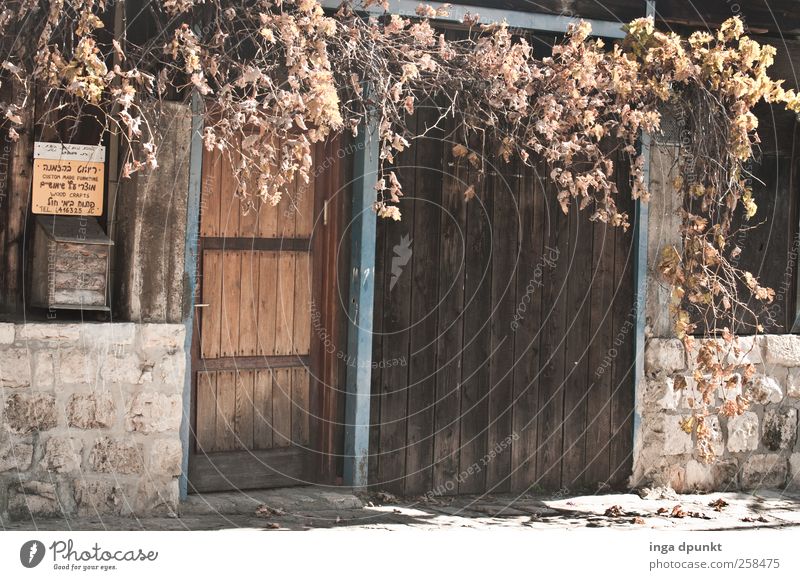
(614, 511)
(718, 504)
(637, 520)
(266, 511)
(761, 519)
(678, 512)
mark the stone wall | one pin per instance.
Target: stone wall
(758, 449)
(90, 418)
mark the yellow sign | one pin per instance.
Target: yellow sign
(68, 179)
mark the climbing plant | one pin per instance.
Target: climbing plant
(277, 76)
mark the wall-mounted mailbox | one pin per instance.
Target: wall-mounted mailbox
(70, 263)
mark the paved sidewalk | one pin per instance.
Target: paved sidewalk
(308, 508)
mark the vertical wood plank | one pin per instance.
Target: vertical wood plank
(598, 400)
(535, 267)
(210, 197)
(231, 299)
(304, 207)
(301, 343)
(450, 329)
(287, 212)
(248, 304)
(477, 334)
(230, 208)
(505, 256)
(421, 360)
(210, 331)
(551, 385)
(243, 419)
(267, 220)
(396, 317)
(225, 438)
(284, 324)
(267, 302)
(21, 169)
(206, 424)
(573, 471)
(282, 408)
(262, 403)
(381, 277)
(621, 446)
(301, 413)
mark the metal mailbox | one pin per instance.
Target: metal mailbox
(70, 263)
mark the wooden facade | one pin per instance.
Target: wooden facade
(493, 361)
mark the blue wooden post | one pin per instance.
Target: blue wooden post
(190, 271)
(362, 291)
(640, 234)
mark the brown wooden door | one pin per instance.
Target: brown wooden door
(256, 373)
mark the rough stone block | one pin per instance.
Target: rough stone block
(166, 457)
(15, 367)
(91, 410)
(731, 391)
(716, 438)
(794, 471)
(665, 355)
(793, 384)
(116, 456)
(43, 370)
(151, 412)
(6, 333)
(102, 497)
(48, 331)
(783, 349)
(676, 440)
(780, 429)
(699, 476)
(76, 366)
(157, 497)
(765, 389)
(62, 455)
(768, 470)
(124, 369)
(33, 499)
(748, 351)
(162, 337)
(109, 335)
(743, 432)
(15, 454)
(25, 413)
(171, 369)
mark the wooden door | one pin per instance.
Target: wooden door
(258, 376)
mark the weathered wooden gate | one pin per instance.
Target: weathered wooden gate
(503, 348)
(264, 388)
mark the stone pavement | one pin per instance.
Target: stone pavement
(308, 508)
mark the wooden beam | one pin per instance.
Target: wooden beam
(359, 330)
(640, 234)
(514, 18)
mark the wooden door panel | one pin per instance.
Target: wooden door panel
(212, 304)
(262, 408)
(248, 307)
(253, 409)
(230, 302)
(284, 326)
(267, 300)
(254, 352)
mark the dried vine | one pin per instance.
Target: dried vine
(278, 76)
